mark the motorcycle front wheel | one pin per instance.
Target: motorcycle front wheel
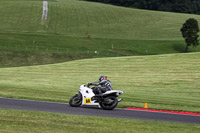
(109, 103)
(76, 100)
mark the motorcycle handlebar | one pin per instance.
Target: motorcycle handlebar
(87, 85)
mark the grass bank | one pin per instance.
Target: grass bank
(34, 49)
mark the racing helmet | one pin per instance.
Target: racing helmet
(102, 78)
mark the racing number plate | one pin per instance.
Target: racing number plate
(87, 100)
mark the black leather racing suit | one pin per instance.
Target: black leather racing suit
(106, 85)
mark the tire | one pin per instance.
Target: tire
(76, 100)
(112, 103)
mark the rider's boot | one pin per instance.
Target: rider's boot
(97, 97)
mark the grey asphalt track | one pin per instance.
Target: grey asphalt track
(9, 103)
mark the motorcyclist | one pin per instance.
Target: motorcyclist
(106, 85)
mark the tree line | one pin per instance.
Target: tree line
(182, 6)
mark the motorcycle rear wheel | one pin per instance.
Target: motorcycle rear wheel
(111, 103)
(76, 100)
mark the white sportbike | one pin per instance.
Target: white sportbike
(86, 96)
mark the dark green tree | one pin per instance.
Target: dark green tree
(184, 6)
(190, 31)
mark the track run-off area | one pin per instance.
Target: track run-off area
(30, 105)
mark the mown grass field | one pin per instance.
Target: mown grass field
(115, 31)
(80, 18)
(169, 82)
(23, 121)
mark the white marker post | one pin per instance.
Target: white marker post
(45, 11)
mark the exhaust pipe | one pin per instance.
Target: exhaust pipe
(119, 100)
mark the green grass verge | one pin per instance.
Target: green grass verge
(115, 31)
(163, 81)
(25, 121)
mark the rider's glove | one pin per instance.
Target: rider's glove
(89, 84)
